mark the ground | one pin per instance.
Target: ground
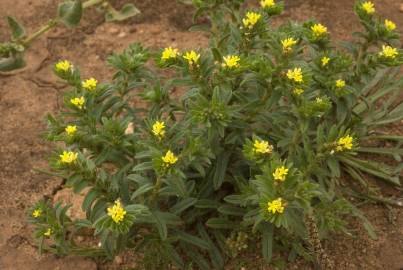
(28, 95)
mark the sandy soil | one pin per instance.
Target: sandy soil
(26, 98)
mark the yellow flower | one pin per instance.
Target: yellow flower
(318, 29)
(325, 60)
(169, 158)
(251, 19)
(295, 75)
(68, 157)
(288, 43)
(192, 57)
(389, 25)
(319, 100)
(298, 91)
(368, 7)
(48, 232)
(275, 206)
(231, 61)
(90, 84)
(340, 83)
(262, 147)
(159, 129)
(37, 213)
(267, 3)
(78, 102)
(344, 143)
(71, 130)
(280, 173)
(63, 66)
(388, 52)
(117, 212)
(169, 53)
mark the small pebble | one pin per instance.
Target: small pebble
(122, 35)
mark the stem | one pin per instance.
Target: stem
(26, 42)
(91, 3)
(322, 258)
(156, 188)
(53, 22)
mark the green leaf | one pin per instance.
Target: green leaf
(221, 168)
(334, 166)
(89, 199)
(378, 169)
(17, 30)
(12, 63)
(206, 203)
(70, 12)
(195, 256)
(267, 241)
(231, 210)
(141, 190)
(127, 11)
(82, 223)
(190, 239)
(174, 256)
(160, 224)
(183, 205)
(367, 225)
(221, 223)
(143, 166)
(234, 199)
(61, 212)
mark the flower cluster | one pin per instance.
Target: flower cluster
(68, 157)
(48, 232)
(192, 57)
(37, 213)
(276, 206)
(78, 102)
(90, 84)
(295, 75)
(288, 43)
(169, 158)
(117, 212)
(368, 7)
(389, 25)
(231, 61)
(388, 52)
(267, 3)
(340, 83)
(251, 19)
(262, 147)
(280, 173)
(169, 53)
(325, 61)
(71, 130)
(159, 129)
(63, 66)
(318, 30)
(344, 143)
(298, 91)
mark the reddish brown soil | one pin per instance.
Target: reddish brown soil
(26, 97)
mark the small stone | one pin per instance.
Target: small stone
(118, 260)
(122, 35)
(80, 239)
(401, 8)
(130, 129)
(113, 30)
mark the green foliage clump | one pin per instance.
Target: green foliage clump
(268, 123)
